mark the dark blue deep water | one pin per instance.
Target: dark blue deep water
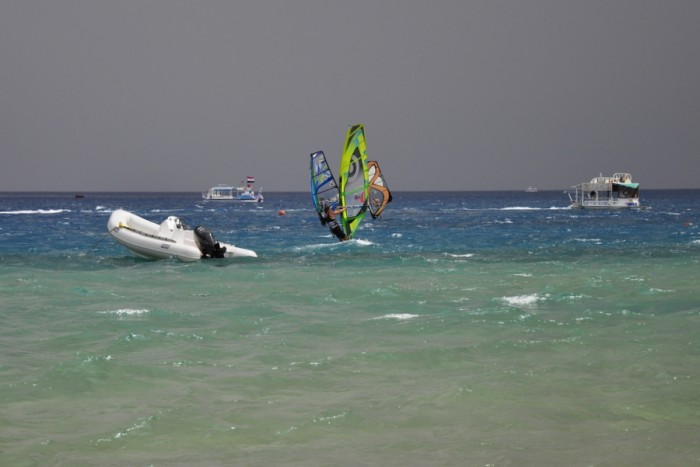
(462, 328)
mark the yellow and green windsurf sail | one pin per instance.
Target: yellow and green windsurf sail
(354, 179)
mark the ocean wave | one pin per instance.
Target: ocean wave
(662, 291)
(512, 208)
(588, 240)
(140, 424)
(398, 316)
(362, 242)
(519, 208)
(332, 245)
(314, 246)
(528, 208)
(523, 300)
(125, 312)
(36, 211)
(158, 210)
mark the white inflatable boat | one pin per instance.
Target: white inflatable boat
(170, 239)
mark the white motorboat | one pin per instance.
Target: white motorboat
(169, 239)
(244, 193)
(602, 192)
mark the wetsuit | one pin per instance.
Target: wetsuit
(335, 228)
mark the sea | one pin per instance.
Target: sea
(460, 329)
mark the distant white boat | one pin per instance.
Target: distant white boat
(531, 189)
(170, 239)
(602, 192)
(243, 193)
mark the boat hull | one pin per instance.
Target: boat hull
(235, 199)
(619, 203)
(167, 240)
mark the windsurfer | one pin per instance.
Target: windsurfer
(329, 215)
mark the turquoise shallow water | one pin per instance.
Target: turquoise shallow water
(479, 329)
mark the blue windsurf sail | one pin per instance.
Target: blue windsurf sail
(324, 189)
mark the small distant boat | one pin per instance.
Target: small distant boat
(602, 192)
(79, 195)
(244, 193)
(170, 239)
(531, 189)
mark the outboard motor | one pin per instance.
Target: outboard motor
(209, 247)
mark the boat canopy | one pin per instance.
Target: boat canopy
(632, 186)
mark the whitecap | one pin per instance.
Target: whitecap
(362, 242)
(522, 300)
(465, 255)
(139, 425)
(36, 211)
(591, 240)
(330, 418)
(315, 246)
(321, 246)
(399, 316)
(125, 311)
(657, 290)
(157, 210)
(573, 296)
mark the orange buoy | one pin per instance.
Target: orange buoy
(281, 212)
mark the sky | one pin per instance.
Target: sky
(175, 95)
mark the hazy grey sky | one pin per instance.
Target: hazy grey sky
(174, 95)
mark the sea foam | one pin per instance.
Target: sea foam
(125, 312)
(523, 300)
